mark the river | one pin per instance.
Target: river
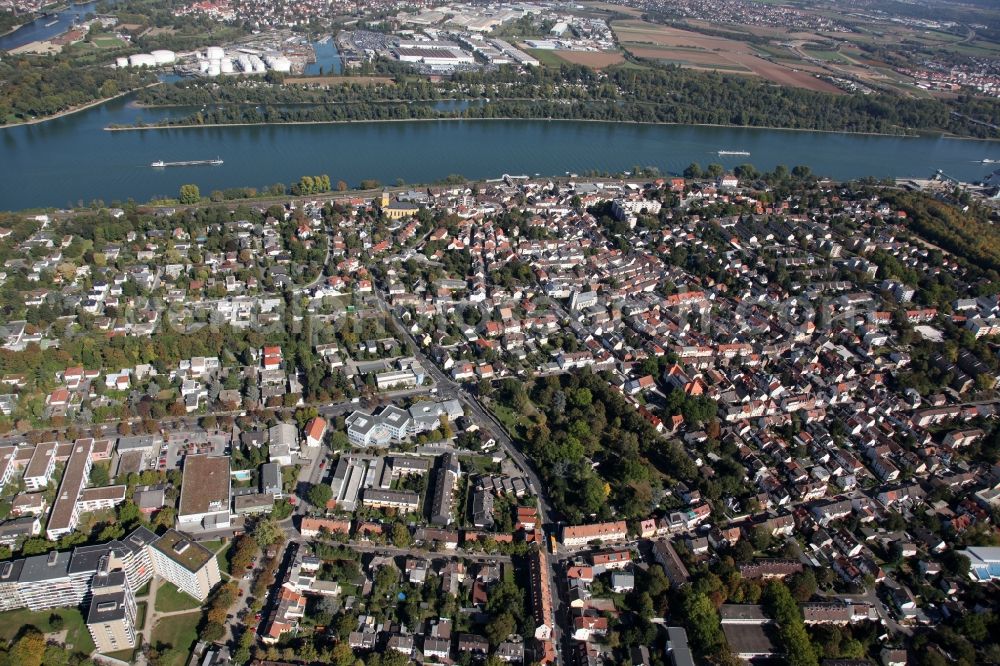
(72, 159)
(40, 29)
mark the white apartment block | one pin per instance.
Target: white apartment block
(40, 467)
(188, 565)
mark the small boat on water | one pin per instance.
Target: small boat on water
(159, 164)
(740, 153)
(51, 23)
(987, 161)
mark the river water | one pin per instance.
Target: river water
(72, 159)
(40, 28)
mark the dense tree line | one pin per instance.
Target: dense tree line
(666, 94)
(37, 87)
(968, 234)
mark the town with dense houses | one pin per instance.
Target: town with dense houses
(731, 417)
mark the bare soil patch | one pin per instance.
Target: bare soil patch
(595, 59)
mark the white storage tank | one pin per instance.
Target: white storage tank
(258, 65)
(202, 66)
(142, 60)
(226, 66)
(281, 64)
(244, 63)
(163, 56)
(215, 53)
(214, 68)
(122, 62)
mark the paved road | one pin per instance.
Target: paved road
(887, 620)
(450, 389)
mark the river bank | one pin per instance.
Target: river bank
(131, 128)
(76, 109)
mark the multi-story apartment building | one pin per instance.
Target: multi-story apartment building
(111, 618)
(8, 463)
(188, 565)
(10, 595)
(40, 467)
(65, 510)
(45, 582)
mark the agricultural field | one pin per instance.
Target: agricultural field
(594, 59)
(698, 51)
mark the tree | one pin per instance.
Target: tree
(792, 630)
(128, 513)
(189, 194)
(29, 649)
(213, 631)
(266, 532)
(500, 627)
(802, 585)
(693, 171)
(99, 476)
(401, 535)
(703, 623)
(319, 495)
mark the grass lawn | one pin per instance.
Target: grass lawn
(144, 590)
(546, 57)
(223, 557)
(170, 599)
(180, 632)
(108, 42)
(77, 635)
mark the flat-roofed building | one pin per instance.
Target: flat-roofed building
(111, 617)
(40, 467)
(363, 429)
(403, 500)
(253, 503)
(17, 529)
(347, 480)
(10, 594)
(45, 582)
(146, 443)
(66, 510)
(29, 503)
(205, 494)
(188, 565)
(270, 479)
(8, 463)
(135, 549)
(95, 499)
